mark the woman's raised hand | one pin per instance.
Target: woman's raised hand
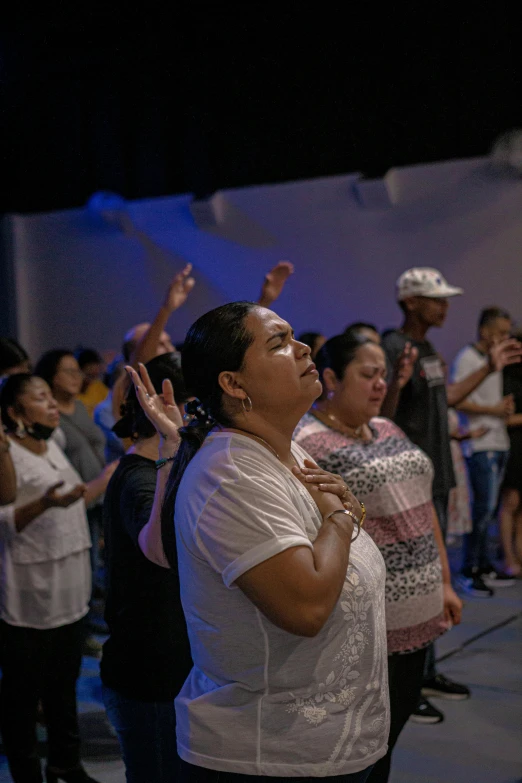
(160, 409)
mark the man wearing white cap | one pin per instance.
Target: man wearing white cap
(421, 410)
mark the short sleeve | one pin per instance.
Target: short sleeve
(246, 522)
(465, 363)
(136, 500)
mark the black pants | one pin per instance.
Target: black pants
(405, 673)
(191, 774)
(40, 665)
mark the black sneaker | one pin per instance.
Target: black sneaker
(492, 577)
(474, 585)
(444, 688)
(426, 713)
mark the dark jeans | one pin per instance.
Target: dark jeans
(441, 507)
(486, 471)
(405, 674)
(40, 665)
(147, 735)
(191, 774)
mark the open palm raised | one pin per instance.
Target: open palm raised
(160, 409)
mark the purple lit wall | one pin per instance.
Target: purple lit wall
(82, 281)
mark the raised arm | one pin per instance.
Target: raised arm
(402, 372)
(163, 413)
(176, 296)
(147, 348)
(274, 283)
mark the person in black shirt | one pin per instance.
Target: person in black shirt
(147, 657)
(420, 408)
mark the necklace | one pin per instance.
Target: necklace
(264, 442)
(356, 432)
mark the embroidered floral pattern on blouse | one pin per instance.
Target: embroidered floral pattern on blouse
(337, 688)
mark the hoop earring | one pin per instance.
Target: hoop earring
(245, 409)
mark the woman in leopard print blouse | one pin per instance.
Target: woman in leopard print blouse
(344, 434)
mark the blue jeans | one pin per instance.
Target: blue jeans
(486, 471)
(147, 735)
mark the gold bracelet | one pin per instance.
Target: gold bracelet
(348, 514)
(363, 515)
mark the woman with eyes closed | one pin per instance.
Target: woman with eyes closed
(46, 584)
(392, 477)
(282, 592)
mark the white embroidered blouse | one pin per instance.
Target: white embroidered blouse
(260, 700)
(45, 569)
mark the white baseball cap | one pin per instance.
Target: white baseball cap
(424, 281)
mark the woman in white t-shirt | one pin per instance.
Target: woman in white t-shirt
(282, 592)
(45, 588)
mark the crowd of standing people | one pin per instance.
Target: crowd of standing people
(265, 519)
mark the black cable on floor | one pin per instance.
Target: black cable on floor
(478, 636)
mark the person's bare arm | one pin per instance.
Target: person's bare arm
(7, 472)
(457, 392)
(297, 589)
(176, 296)
(391, 402)
(452, 603)
(402, 372)
(163, 413)
(149, 538)
(96, 487)
(502, 409)
(501, 355)
(274, 283)
(515, 420)
(24, 515)
(468, 434)
(147, 348)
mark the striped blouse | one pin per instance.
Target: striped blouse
(393, 478)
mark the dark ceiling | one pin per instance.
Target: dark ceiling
(146, 104)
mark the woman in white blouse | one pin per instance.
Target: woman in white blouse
(46, 583)
(282, 592)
